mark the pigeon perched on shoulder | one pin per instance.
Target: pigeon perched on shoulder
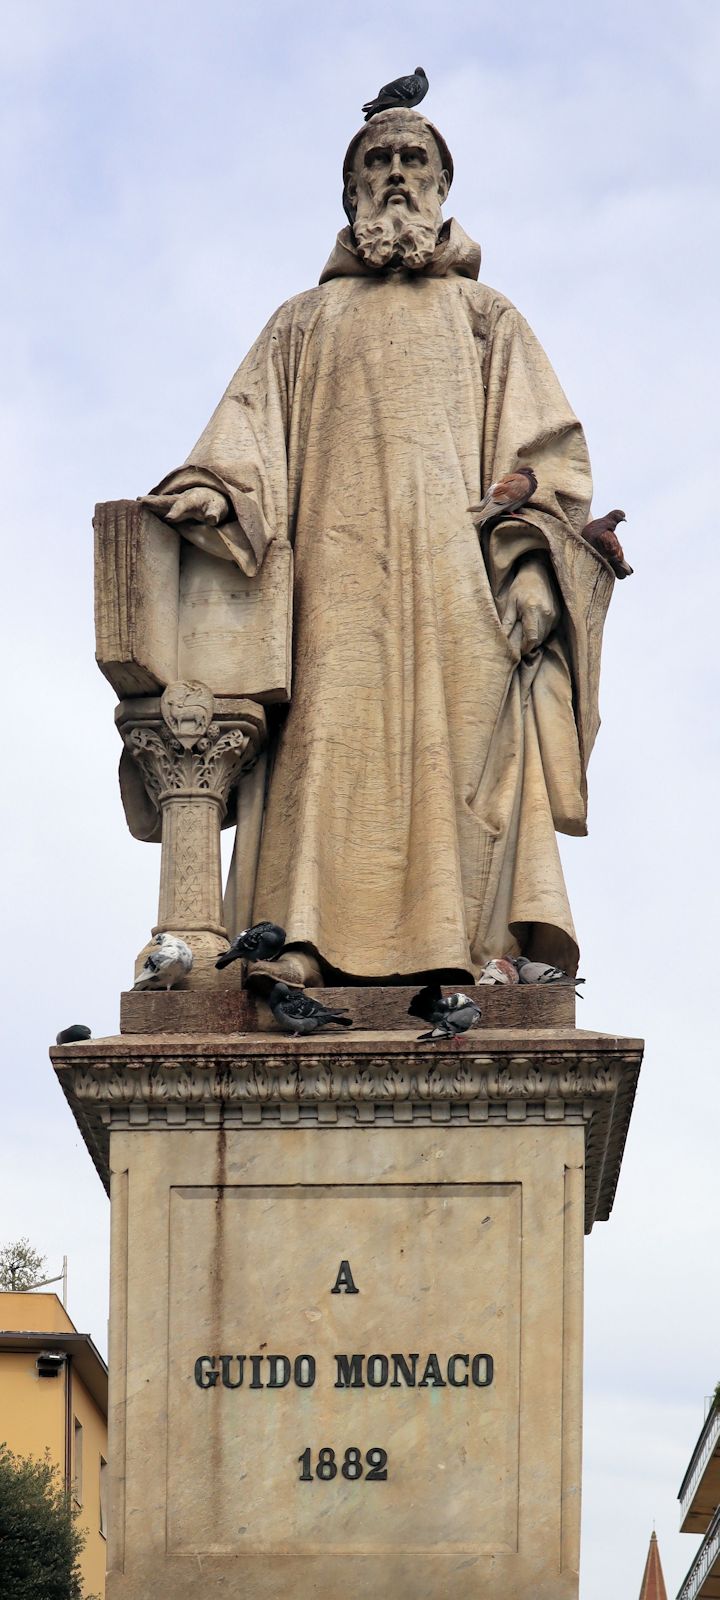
(170, 961)
(296, 1012)
(407, 92)
(263, 942)
(73, 1034)
(448, 1016)
(500, 970)
(543, 972)
(603, 538)
(505, 496)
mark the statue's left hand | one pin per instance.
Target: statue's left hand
(532, 609)
(197, 505)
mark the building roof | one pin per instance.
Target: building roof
(653, 1584)
(51, 1329)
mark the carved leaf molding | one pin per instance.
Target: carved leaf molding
(316, 1080)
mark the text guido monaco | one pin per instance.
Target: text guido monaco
(351, 1372)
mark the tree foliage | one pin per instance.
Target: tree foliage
(21, 1266)
(40, 1541)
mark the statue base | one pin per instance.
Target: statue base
(346, 1303)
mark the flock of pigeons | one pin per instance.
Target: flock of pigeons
(297, 1012)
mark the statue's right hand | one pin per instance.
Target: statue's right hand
(198, 505)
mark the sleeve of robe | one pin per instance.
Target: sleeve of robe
(529, 421)
(243, 452)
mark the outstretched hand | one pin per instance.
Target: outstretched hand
(532, 609)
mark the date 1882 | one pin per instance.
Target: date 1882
(373, 1469)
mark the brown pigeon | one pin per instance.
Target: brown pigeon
(603, 538)
(500, 970)
(505, 496)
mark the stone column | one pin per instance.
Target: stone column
(191, 751)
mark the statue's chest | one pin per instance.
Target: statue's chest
(397, 338)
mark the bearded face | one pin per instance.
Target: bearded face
(397, 187)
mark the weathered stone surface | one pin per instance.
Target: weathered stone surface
(166, 610)
(366, 1079)
(250, 1175)
(184, 754)
(444, 696)
(463, 1242)
(233, 1009)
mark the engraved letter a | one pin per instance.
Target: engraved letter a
(344, 1281)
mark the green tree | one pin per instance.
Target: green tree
(20, 1265)
(40, 1541)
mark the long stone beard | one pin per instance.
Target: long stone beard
(393, 237)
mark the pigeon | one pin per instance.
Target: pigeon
(505, 496)
(263, 942)
(603, 538)
(401, 92)
(501, 970)
(170, 961)
(73, 1034)
(448, 1016)
(296, 1012)
(543, 972)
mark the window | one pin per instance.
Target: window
(103, 1497)
(78, 1462)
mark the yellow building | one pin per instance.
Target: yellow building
(53, 1396)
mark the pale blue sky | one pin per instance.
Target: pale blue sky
(170, 175)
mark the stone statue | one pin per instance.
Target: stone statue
(444, 694)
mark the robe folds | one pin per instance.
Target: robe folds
(423, 768)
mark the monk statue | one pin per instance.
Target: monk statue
(444, 680)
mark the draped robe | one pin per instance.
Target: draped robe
(423, 768)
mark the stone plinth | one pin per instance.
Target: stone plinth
(347, 1306)
(232, 1009)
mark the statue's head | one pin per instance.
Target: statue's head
(396, 175)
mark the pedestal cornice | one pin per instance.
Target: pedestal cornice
(156, 1082)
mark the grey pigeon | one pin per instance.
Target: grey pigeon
(401, 92)
(262, 942)
(73, 1034)
(170, 961)
(543, 972)
(448, 1016)
(296, 1012)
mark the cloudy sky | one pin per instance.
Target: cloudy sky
(171, 174)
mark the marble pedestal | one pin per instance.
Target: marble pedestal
(346, 1306)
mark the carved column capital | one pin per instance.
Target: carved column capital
(184, 749)
(191, 751)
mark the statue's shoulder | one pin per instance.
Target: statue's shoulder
(300, 309)
(487, 302)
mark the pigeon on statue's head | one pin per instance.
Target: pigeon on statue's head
(263, 942)
(448, 1016)
(296, 1012)
(406, 92)
(167, 963)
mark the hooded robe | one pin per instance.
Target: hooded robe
(423, 767)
